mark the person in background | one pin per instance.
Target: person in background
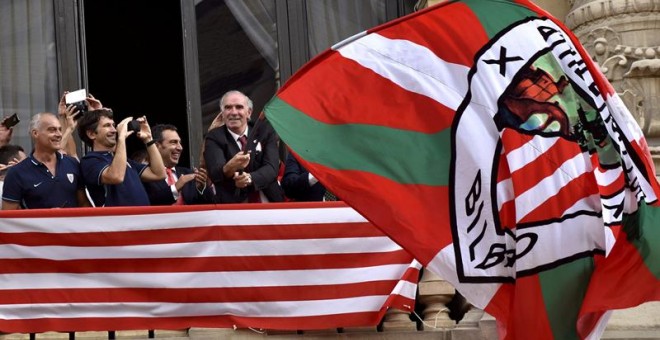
(10, 155)
(48, 178)
(140, 156)
(111, 178)
(182, 185)
(299, 184)
(5, 132)
(217, 122)
(242, 158)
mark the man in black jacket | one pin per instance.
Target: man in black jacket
(242, 158)
(299, 184)
(182, 185)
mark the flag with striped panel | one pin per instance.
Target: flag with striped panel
(285, 266)
(489, 146)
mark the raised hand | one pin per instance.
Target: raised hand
(93, 103)
(201, 178)
(122, 128)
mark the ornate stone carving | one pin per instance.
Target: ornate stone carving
(585, 11)
(621, 36)
(604, 45)
(643, 82)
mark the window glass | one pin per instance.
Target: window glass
(28, 64)
(331, 21)
(237, 50)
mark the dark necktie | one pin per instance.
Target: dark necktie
(253, 196)
(243, 140)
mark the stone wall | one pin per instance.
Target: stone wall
(623, 37)
(558, 9)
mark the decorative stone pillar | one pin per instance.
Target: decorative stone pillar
(468, 327)
(396, 320)
(434, 294)
(623, 37)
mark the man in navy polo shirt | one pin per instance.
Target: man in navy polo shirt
(111, 178)
(47, 178)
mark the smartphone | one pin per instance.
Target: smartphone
(75, 96)
(77, 99)
(11, 121)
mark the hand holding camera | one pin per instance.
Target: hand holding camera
(71, 116)
(10, 121)
(122, 128)
(76, 100)
(93, 103)
(141, 128)
(138, 126)
(6, 128)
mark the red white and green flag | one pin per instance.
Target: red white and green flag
(480, 137)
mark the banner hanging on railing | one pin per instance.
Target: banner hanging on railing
(278, 266)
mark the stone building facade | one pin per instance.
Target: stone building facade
(622, 36)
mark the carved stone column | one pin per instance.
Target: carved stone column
(468, 327)
(623, 37)
(434, 294)
(396, 320)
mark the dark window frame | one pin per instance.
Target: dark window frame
(292, 43)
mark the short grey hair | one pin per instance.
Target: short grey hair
(35, 121)
(224, 96)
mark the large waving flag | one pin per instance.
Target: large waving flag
(284, 266)
(480, 137)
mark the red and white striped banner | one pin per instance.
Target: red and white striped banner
(276, 266)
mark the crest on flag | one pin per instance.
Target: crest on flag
(544, 116)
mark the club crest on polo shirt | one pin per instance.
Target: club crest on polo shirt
(70, 177)
(536, 115)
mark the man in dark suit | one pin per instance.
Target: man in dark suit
(242, 158)
(299, 184)
(182, 185)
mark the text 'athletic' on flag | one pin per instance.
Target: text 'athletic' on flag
(480, 136)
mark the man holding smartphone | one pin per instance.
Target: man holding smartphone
(111, 178)
(242, 158)
(10, 155)
(6, 129)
